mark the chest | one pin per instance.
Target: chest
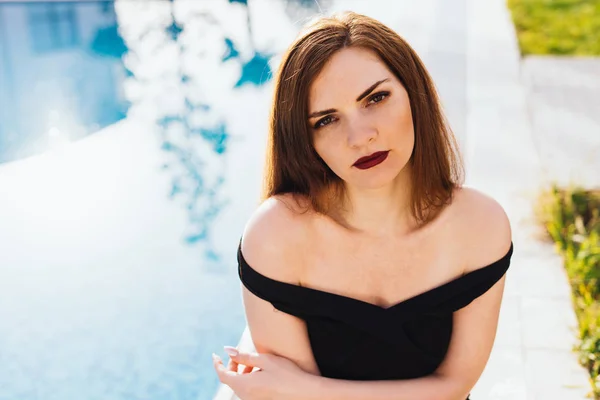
(383, 272)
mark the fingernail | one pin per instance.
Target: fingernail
(215, 357)
(232, 351)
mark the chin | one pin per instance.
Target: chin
(376, 179)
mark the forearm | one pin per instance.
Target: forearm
(432, 387)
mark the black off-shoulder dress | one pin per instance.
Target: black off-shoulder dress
(356, 340)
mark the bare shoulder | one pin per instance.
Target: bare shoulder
(484, 226)
(275, 235)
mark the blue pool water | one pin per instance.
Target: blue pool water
(130, 148)
(62, 74)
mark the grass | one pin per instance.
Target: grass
(572, 219)
(559, 27)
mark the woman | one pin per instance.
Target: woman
(369, 271)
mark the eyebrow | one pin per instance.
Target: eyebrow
(359, 98)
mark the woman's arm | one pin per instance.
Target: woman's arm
(277, 333)
(272, 245)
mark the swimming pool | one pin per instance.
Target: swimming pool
(131, 145)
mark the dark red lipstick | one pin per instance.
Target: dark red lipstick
(371, 160)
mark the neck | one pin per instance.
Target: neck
(380, 211)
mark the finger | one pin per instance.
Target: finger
(232, 366)
(224, 375)
(248, 359)
(247, 369)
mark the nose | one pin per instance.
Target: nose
(360, 134)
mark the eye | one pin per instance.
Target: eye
(323, 122)
(378, 97)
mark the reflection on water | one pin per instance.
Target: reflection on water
(180, 96)
(61, 75)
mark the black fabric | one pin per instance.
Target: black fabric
(355, 340)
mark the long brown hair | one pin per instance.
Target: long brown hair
(292, 164)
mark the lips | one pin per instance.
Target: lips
(371, 160)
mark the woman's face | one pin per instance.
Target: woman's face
(358, 108)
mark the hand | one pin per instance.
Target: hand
(276, 377)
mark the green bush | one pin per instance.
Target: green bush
(572, 219)
(563, 27)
